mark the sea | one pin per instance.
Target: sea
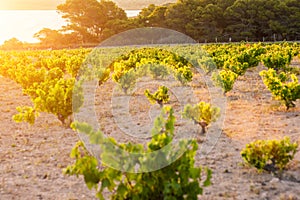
(23, 24)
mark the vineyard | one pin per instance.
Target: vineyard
(171, 93)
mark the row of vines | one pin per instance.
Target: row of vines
(52, 78)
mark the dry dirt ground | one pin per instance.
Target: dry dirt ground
(32, 157)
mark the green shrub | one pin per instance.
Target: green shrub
(53, 95)
(202, 114)
(235, 66)
(207, 64)
(269, 155)
(225, 79)
(158, 71)
(177, 180)
(161, 96)
(282, 87)
(184, 75)
(26, 114)
(127, 81)
(278, 60)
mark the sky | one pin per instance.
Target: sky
(29, 4)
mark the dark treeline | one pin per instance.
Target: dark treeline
(92, 21)
(228, 20)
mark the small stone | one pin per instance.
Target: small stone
(275, 180)
(264, 195)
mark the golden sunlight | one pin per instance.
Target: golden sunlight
(5, 4)
(23, 24)
(23, 18)
(29, 4)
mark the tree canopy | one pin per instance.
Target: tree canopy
(91, 18)
(12, 43)
(235, 20)
(92, 21)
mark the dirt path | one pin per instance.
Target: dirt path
(32, 158)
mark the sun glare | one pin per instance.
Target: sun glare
(29, 4)
(24, 24)
(23, 18)
(6, 4)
